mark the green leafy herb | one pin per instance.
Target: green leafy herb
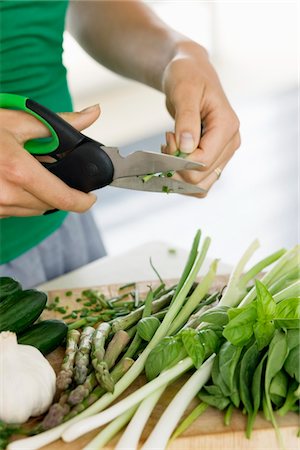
(193, 346)
(240, 328)
(165, 354)
(147, 327)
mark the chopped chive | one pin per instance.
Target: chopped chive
(69, 293)
(125, 286)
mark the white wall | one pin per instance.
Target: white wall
(254, 48)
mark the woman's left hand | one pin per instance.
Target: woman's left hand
(206, 126)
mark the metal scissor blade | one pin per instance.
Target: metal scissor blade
(142, 163)
(157, 184)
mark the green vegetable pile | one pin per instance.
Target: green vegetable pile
(258, 365)
(240, 346)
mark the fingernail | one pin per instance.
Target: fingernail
(186, 143)
(90, 109)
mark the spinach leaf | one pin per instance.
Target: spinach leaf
(287, 314)
(263, 332)
(216, 316)
(228, 359)
(279, 388)
(291, 399)
(169, 351)
(216, 400)
(292, 363)
(249, 363)
(277, 354)
(193, 346)
(217, 377)
(240, 329)
(256, 392)
(235, 394)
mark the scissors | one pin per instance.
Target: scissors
(86, 165)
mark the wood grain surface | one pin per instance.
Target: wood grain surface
(208, 432)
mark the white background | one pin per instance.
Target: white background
(253, 46)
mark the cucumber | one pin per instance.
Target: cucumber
(18, 311)
(8, 286)
(46, 336)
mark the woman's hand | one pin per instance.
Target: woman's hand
(28, 188)
(194, 96)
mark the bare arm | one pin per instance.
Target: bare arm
(127, 37)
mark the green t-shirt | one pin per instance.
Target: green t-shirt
(31, 65)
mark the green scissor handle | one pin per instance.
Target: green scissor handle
(46, 147)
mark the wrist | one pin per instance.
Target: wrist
(187, 59)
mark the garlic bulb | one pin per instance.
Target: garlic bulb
(27, 380)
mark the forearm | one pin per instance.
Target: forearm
(125, 36)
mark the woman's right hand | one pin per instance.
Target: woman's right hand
(28, 188)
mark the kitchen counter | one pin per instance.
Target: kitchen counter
(133, 265)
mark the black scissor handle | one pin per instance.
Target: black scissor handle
(85, 168)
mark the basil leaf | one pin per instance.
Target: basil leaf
(292, 363)
(216, 316)
(265, 304)
(240, 329)
(263, 332)
(147, 327)
(193, 346)
(210, 340)
(287, 314)
(166, 353)
(292, 338)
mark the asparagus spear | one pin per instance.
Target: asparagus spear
(104, 378)
(115, 347)
(119, 370)
(83, 390)
(64, 378)
(82, 356)
(131, 319)
(56, 413)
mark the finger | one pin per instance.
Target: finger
(187, 122)
(196, 177)
(26, 126)
(213, 177)
(18, 197)
(17, 211)
(219, 131)
(42, 184)
(171, 143)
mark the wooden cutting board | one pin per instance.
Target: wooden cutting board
(208, 431)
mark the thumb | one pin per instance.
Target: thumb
(30, 127)
(187, 126)
(82, 119)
